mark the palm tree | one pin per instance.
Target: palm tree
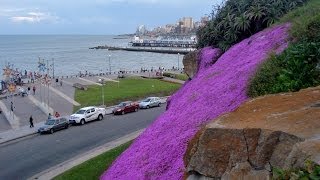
(242, 22)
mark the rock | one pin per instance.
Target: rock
(190, 63)
(218, 151)
(272, 131)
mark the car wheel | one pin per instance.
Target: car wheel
(148, 107)
(82, 122)
(159, 105)
(51, 131)
(100, 117)
(122, 112)
(67, 126)
(136, 109)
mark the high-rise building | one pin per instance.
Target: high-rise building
(187, 22)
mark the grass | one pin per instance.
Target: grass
(301, 17)
(182, 77)
(93, 168)
(128, 89)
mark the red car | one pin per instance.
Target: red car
(126, 107)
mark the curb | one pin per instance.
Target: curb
(16, 138)
(79, 159)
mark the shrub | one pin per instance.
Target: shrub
(310, 171)
(293, 70)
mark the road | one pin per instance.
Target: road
(27, 157)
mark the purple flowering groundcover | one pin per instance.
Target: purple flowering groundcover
(217, 89)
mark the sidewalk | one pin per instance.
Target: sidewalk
(26, 131)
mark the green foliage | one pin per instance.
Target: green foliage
(296, 68)
(310, 171)
(236, 20)
(304, 19)
(93, 168)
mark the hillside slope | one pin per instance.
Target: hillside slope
(158, 152)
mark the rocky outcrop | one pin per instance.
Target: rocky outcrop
(190, 63)
(200, 60)
(272, 131)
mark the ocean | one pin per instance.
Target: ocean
(71, 54)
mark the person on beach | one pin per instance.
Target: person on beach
(34, 90)
(31, 121)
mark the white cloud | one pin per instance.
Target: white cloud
(34, 17)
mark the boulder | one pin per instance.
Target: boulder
(190, 63)
(271, 131)
(222, 152)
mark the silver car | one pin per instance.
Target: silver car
(53, 125)
(150, 102)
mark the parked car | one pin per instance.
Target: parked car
(150, 102)
(126, 107)
(53, 125)
(87, 114)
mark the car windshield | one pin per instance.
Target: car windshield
(50, 122)
(80, 111)
(147, 100)
(122, 104)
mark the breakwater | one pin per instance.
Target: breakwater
(154, 50)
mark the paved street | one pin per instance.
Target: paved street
(27, 157)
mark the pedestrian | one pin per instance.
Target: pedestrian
(29, 90)
(49, 116)
(31, 121)
(60, 82)
(34, 90)
(57, 115)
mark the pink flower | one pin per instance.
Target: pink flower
(220, 88)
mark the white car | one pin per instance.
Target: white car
(87, 114)
(150, 102)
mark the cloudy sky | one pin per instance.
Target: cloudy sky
(94, 16)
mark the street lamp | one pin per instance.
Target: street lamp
(102, 91)
(178, 60)
(109, 64)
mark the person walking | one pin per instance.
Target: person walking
(34, 90)
(31, 121)
(29, 90)
(57, 115)
(60, 82)
(49, 116)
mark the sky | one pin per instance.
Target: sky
(95, 16)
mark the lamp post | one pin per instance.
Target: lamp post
(178, 60)
(102, 91)
(109, 64)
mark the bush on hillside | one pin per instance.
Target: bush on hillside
(310, 171)
(236, 20)
(293, 70)
(299, 66)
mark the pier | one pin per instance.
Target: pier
(154, 50)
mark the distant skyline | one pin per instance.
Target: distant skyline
(95, 16)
